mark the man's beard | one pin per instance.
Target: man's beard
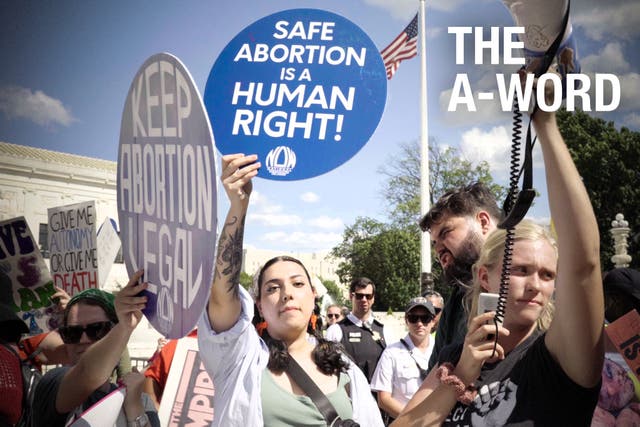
(459, 270)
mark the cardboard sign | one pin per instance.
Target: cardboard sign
(108, 243)
(188, 395)
(303, 88)
(104, 413)
(625, 335)
(73, 253)
(167, 194)
(25, 281)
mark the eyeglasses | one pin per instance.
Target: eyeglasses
(95, 331)
(424, 318)
(360, 296)
(333, 315)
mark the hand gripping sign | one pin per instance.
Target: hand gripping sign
(302, 88)
(167, 193)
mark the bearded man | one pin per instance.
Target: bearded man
(458, 224)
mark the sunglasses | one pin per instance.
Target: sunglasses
(95, 331)
(424, 318)
(333, 315)
(359, 296)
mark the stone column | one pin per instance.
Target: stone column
(620, 232)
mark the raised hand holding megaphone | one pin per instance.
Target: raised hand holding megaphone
(543, 21)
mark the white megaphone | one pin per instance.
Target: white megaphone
(543, 22)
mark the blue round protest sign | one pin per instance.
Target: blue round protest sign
(302, 88)
(167, 197)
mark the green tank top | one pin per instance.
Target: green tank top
(283, 409)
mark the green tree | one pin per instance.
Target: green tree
(389, 254)
(245, 280)
(334, 291)
(355, 246)
(447, 169)
(608, 161)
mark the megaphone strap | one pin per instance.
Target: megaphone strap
(551, 52)
(515, 207)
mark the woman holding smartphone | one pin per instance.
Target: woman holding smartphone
(546, 368)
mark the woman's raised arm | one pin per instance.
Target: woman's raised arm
(224, 304)
(575, 335)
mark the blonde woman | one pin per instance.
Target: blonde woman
(544, 372)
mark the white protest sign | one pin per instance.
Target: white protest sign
(73, 254)
(187, 398)
(167, 194)
(104, 413)
(25, 280)
(108, 247)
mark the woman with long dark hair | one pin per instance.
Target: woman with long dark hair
(250, 372)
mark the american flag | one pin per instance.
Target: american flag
(403, 47)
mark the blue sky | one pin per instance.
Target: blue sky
(67, 66)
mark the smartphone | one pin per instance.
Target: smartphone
(487, 302)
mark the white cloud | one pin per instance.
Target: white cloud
(632, 121)
(610, 59)
(263, 205)
(326, 222)
(487, 112)
(619, 19)
(22, 103)
(434, 32)
(274, 220)
(406, 8)
(630, 91)
(266, 213)
(481, 79)
(309, 197)
(399, 8)
(493, 146)
(304, 241)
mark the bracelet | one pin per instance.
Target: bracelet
(140, 421)
(464, 394)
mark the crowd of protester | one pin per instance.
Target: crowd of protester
(273, 363)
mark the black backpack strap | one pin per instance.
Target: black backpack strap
(30, 359)
(423, 372)
(404, 343)
(305, 382)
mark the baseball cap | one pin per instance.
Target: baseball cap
(422, 302)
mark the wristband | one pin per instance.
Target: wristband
(464, 394)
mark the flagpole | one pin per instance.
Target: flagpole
(426, 279)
